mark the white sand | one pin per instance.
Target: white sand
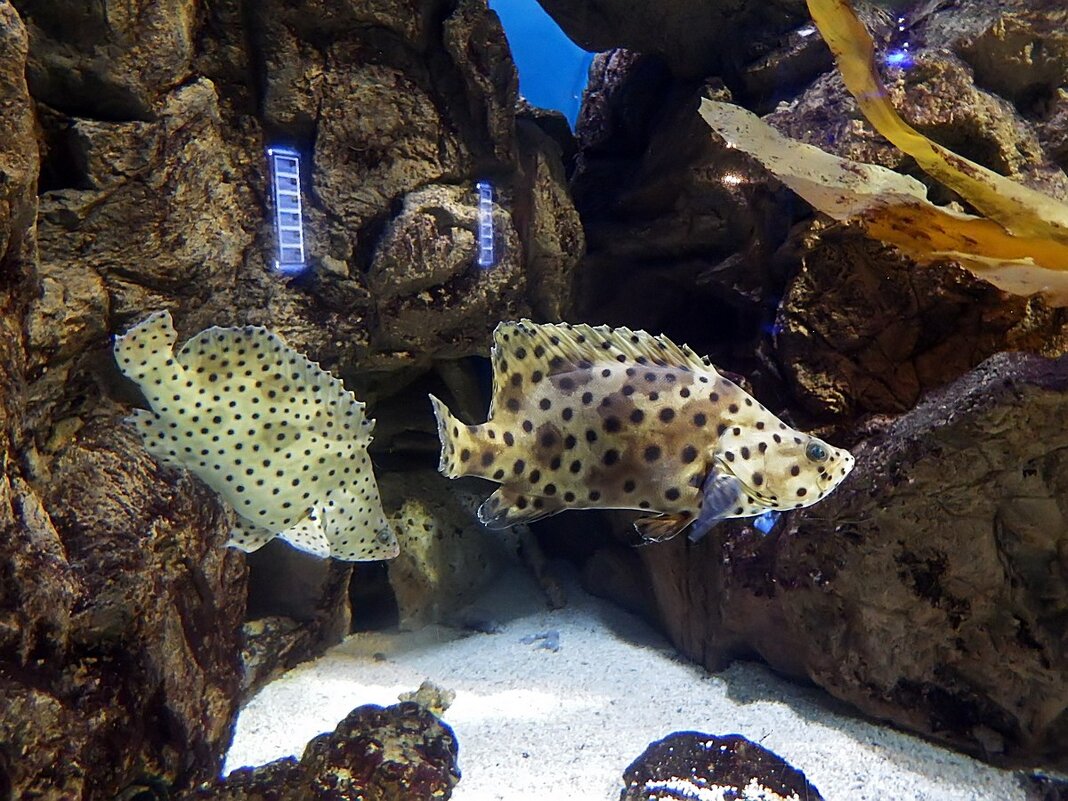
(533, 724)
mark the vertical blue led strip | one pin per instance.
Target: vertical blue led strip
(288, 216)
(485, 224)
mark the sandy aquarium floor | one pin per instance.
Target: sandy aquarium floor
(537, 724)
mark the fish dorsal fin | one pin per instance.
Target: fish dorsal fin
(523, 346)
(279, 375)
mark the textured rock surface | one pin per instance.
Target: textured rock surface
(931, 588)
(105, 60)
(694, 37)
(446, 554)
(397, 753)
(693, 765)
(146, 124)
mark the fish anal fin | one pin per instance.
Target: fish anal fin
(658, 528)
(247, 536)
(507, 507)
(307, 535)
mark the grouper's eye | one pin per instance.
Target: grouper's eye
(816, 452)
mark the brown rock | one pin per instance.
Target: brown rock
(695, 38)
(929, 589)
(110, 62)
(398, 753)
(689, 764)
(862, 329)
(441, 302)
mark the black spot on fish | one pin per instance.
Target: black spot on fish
(611, 456)
(652, 453)
(795, 470)
(672, 494)
(509, 440)
(487, 459)
(587, 398)
(512, 404)
(545, 404)
(689, 454)
(629, 485)
(612, 425)
(758, 479)
(637, 416)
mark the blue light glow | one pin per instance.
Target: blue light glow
(766, 521)
(288, 215)
(899, 58)
(485, 224)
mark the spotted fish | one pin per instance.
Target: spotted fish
(278, 438)
(585, 417)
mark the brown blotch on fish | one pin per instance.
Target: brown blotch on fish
(633, 436)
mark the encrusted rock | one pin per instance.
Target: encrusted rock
(862, 329)
(446, 554)
(432, 295)
(930, 588)
(397, 753)
(687, 765)
(125, 610)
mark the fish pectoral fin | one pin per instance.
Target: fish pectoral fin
(308, 535)
(246, 536)
(507, 507)
(659, 528)
(720, 494)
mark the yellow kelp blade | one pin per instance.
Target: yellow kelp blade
(893, 208)
(1021, 210)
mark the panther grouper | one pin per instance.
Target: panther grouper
(277, 437)
(597, 417)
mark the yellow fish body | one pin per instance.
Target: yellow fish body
(597, 417)
(277, 437)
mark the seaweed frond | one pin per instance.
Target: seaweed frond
(1020, 246)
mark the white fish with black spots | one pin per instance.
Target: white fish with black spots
(596, 417)
(277, 437)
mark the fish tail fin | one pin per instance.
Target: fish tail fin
(144, 350)
(456, 438)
